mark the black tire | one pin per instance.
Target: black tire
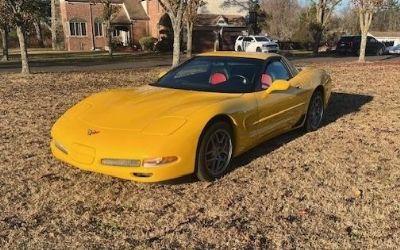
(379, 52)
(315, 112)
(258, 49)
(212, 161)
(240, 48)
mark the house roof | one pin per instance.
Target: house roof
(384, 34)
(120, 16)
(132, 10)
(135, 10)
(212, 20)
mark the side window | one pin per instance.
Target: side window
(292, 69)
(277, 71)
(246, 39)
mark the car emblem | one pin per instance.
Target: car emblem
(92, 132)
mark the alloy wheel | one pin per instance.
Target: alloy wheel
(316, 111)
(218, 152)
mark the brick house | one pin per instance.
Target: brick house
(217, 21)
(84, 28)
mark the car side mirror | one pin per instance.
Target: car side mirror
(278, 85)
(162, 73)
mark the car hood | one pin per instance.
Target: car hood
(137, 109)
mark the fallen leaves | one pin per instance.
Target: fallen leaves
(335, 188)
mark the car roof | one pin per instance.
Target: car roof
(251, 55)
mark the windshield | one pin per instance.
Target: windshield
(349, 39)
(215, 74)
(261, 39)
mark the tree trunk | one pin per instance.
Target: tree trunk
(54, 24)
(365, 23)
(4, 38)
(363, 46)
(317, 42)
(177, 45)
(189, 45)
(109, 37)
(24, 52)
(39, 35)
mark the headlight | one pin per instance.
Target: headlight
(120, 162)
(155, 162)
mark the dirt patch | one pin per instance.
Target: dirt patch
(338, 187)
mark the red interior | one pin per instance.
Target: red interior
(266, 81)
(217, 78)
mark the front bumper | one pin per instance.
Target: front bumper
(88, 160)
(270, 50)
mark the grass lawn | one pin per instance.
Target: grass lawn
(336, 188)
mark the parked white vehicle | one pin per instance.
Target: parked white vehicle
(256, 44)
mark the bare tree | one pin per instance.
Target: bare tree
(54, 25)
(175, 10)
(190, 18)
(4, 43)
(39, 34)
(40, 16)
(243, 5)
(4, 30)
(324, 10)
(388, 17)
(366, 10)
(20, 13)
(283, 21)
(108, 12)
(349, 24)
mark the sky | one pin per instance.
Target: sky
(343, 5)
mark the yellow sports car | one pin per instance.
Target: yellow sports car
(194, 119)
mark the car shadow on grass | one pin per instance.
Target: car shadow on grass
(340, 105)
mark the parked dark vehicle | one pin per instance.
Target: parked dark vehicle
(351, 45)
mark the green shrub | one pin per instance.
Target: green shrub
(164, 45)
(147, 43)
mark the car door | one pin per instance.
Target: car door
(246, 42)
(372, 45)
(280, 110)
(239, 43)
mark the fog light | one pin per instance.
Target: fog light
(120, 162)
(155, 162)
(61, 147)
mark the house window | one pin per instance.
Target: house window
(77, 28)
(98, 29)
